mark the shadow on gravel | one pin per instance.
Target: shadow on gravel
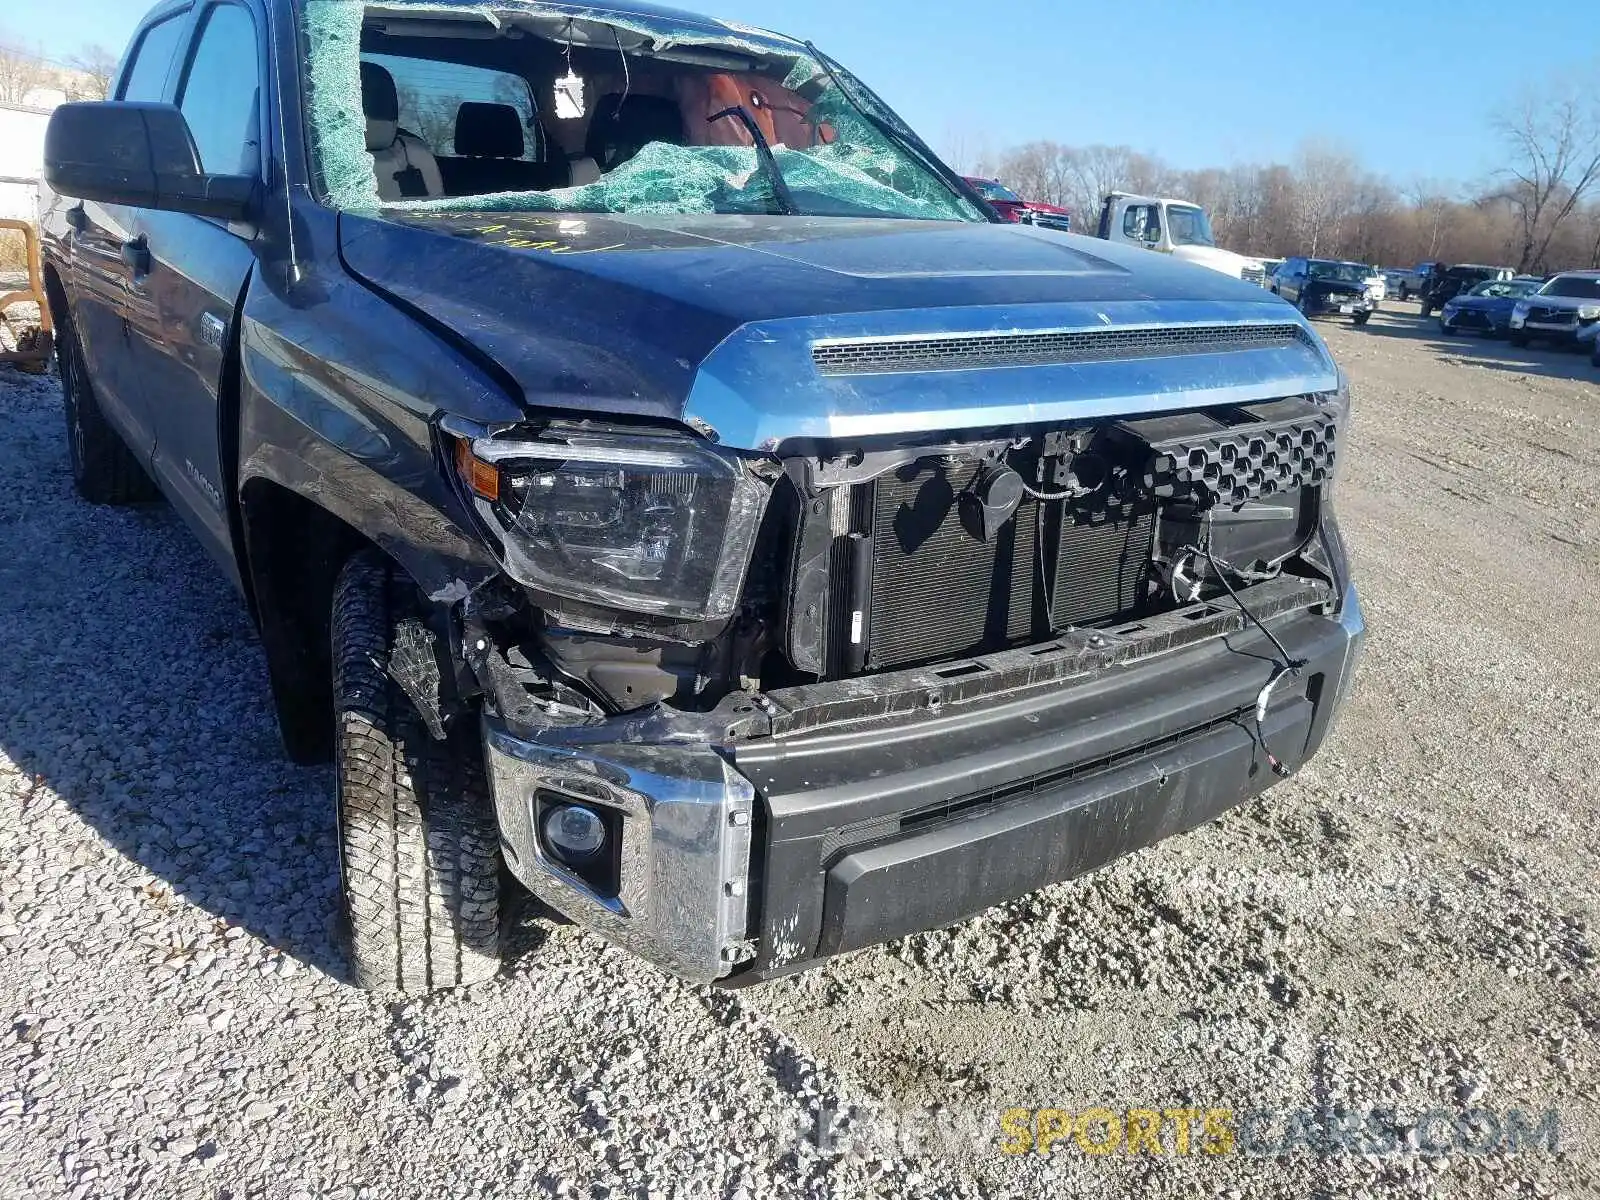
(132, 686)
(1492, 354)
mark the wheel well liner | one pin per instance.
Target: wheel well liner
(295, 550)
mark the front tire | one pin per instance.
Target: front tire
(1362, 318)
(419, 849)
(104, 470)
(1519, 340)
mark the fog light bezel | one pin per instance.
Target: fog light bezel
(600, 871)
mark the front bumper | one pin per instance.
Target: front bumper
(855, 822)
(1334, 305)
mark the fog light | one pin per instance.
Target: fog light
(574, 833)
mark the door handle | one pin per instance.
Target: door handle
(136, 254)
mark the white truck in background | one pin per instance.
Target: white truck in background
(1175, 227)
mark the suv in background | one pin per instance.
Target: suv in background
(759, 551)
(1019, 211)
(1446, 285)
(1412, 282)
(1325, 287)
(1564, 308)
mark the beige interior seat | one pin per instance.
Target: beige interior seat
(405, 167)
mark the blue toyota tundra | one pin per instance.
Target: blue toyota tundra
(659, 481)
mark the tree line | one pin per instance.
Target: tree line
(1539, 213)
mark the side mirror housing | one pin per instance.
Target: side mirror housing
(139, 155)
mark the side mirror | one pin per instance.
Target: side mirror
(139, 155)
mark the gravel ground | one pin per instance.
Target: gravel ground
(1406, 924)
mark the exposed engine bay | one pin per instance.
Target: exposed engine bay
(887, 557)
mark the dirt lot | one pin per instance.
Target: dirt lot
(1407, 925)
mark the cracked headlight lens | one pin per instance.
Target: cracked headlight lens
(1589, 312)
(648, 524)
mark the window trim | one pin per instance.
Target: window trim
(200, 18)
(184, 19)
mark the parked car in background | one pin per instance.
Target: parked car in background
(1446, 285)
(1487, 308)
(1019, 211)
(1377, 285)
(1561, 310)
(1175, 227)
(1393, 279)
(1589, 336)
(1323, 287)
(1269, 267)
(1418, 277)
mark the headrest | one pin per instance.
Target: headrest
(380, 101)
(489, 131)
(622, 126)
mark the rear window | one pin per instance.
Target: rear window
(432, 93)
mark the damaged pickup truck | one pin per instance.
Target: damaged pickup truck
(653, 471)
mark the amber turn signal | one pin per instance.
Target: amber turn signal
(481, 478)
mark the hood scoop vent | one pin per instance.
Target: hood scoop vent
(973, 352)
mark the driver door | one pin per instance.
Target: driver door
(197, 271)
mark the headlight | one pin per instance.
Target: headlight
(1521, 310)
(659, 525)
(1338, 402)
(1589, 312)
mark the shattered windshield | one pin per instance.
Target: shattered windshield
(1338, 272)
(1188, 226)
(521, 106)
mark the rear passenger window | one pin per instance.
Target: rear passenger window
(146, 77)
(432, 93)
(220, 96)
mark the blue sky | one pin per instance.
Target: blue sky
(1197, 83)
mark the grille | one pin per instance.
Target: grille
(938, 592)
(1553, 316)
(1254, 275)
(968, 352)
(1103, 571)
(1275, 447)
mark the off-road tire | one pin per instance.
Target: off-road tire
(419, 852)
(104, 470)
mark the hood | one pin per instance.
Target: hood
(1484, 302)
(1217, 259)
(712, 320)
(1054, 210)
(1561, 302)
(1336, 287)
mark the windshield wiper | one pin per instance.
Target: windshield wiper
(896, 131)
(769, 161)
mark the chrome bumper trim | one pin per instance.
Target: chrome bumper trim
(686, 844)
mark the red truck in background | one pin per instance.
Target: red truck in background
(1019, 211)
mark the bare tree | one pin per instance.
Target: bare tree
(1554, 138)
(94, 69)
(1326, 194)
(22, 73)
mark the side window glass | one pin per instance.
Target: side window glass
(146, 77)
(1134, 221)
(220, 96)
